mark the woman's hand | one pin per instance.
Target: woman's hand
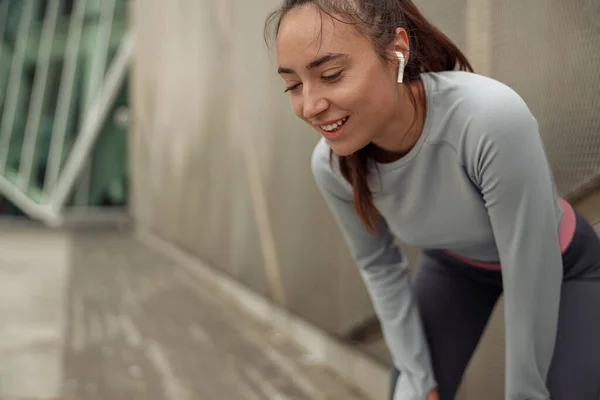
(433, 395)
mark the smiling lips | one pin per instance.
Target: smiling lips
(332, 130)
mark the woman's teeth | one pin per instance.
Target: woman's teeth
(335, 126)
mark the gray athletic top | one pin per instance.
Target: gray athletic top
(476, 183)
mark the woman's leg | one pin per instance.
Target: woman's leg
(455, 302)
(575, 369)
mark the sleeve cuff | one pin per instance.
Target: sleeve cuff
(413, 388)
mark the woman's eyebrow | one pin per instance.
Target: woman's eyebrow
(315, 63)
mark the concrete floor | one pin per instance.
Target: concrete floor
(98, 316)
(32, 311)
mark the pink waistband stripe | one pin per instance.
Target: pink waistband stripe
(566, 232)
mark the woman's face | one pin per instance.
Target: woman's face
(335, 80)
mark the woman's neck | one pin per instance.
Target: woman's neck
(406, 128)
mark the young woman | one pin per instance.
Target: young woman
(415, 146)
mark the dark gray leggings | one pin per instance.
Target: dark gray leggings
(455, 301)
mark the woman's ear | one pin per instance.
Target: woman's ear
(401, 42)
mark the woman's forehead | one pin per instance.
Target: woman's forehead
(306, 28)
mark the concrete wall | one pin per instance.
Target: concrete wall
(221, 165)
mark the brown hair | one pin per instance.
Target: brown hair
(430, 51)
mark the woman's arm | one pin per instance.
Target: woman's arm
(518, 189)
(386, 275)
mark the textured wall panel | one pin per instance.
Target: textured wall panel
(549, 51)
(449, 16)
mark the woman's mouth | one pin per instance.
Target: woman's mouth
(333, 130)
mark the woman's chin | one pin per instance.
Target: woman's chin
(344, 147)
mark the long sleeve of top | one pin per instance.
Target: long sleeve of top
(513, 175)
(476, 183)
(385, 272)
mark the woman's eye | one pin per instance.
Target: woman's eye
(328, 78)
(332, 77)
(292, 88)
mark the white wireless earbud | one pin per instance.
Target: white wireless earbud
(401, 66)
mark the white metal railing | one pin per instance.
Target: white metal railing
(3, 21)
(34, 115)
(59, 181)
(92, 124)
(14, 83)
(65, 96)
